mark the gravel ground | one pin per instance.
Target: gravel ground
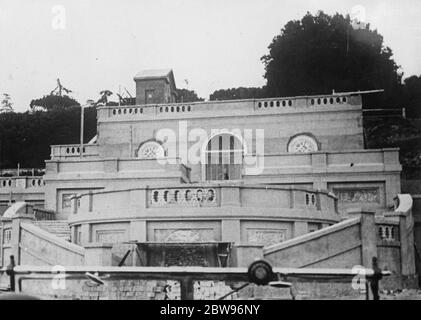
(397, 295)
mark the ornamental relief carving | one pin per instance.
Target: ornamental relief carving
(151, 150)
(183, 235)
(110, 236)
(265, 237)
(185, 197)
(363, 195)
(302, 144)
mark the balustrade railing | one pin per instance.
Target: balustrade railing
(183, 197)
(43, 214)
(280, 103)
(22, 182)
(74, 150)
(388, 232)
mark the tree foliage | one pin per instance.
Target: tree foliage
(238, 93)
(25, 138)
(6, 104)
(184, 95)
(412, 96)
(52, 101)
(321, 53)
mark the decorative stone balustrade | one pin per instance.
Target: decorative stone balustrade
(22, 182)
(244, 198)
(138, 110)
(214, 107)
(388, 232)
(320, 101)
(73, 150)
(196, 197)
(208, 212)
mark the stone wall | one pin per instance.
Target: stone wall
(123, 289)
(337, 246)
(170, 290)
(354, 242)
(38, 247)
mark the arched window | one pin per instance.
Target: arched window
(223, 157)
(302, 143)
(150, 150)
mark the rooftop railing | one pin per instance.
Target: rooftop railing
(22, 182)
(15, 172)
(280, 104)
(73, 150)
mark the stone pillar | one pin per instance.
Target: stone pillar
(319, 162)
(230, 196)
(244, 254)
(300, 228)
(138, 201)
(98, 254)
(90, 201)
(368, 235)
(74, 205)
(406, 238)
(138, 231)
(392, 188)
(25, 214)
(85, 231)
(231, 231)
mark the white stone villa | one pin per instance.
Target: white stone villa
(287, 179)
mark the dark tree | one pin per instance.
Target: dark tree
(25, 138)
(412, 96)
(126, 101)
(184, 95)
(238, 93)
(104, 97)
(52, 101)
(321, 53)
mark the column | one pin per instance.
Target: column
(300, 228)
(231, 231)
(368, 235)
(98, 254)
(407, 246)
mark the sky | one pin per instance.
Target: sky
(93, 45)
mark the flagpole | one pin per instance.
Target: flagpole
(82, 119)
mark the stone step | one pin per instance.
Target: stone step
(59, 228)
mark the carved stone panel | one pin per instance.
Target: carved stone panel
(183, 235)
(266, 236)
(360, 195)
(110, 236)
(184, 197)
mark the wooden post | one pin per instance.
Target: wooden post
(11, 272)
(367, 290)
(82, 120)
(187, 289)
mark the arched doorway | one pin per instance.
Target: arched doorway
(223, 157)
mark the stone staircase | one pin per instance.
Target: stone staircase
(59, 228)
